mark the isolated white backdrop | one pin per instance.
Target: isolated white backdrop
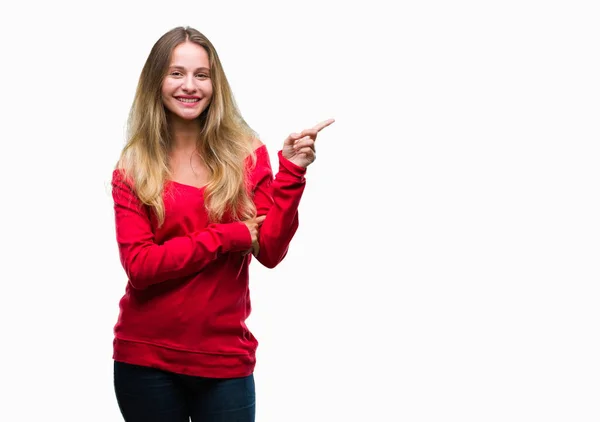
(445, 268)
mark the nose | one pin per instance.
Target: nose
(188, 84)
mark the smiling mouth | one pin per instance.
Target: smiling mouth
(188, 100)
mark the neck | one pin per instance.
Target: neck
(184, 133)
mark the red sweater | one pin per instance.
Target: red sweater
(187, 298)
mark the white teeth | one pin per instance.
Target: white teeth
(188, 100)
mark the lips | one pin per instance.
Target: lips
(188, 100)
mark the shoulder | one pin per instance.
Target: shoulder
(260, 152)
(262, 166)
(119, 175)
(121, 180)
(256, 143)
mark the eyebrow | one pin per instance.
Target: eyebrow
(203, 69)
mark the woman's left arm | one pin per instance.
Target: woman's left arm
(279, 197)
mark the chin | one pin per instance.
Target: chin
(189, 117)
(186, 114)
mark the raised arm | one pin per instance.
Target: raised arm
(277, 198)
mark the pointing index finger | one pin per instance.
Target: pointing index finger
(323, 125)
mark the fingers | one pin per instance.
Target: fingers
(323, 124)
(304, 141)
(292, 137)
(301, 143)
(253, 226)
(310, 132)
(306, 146)
(308, 152)
(313, 131)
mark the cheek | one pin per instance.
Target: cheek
(207, 89)
(166, 88)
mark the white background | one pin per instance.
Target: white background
(446, 265)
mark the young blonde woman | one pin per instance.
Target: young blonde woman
(195, 201)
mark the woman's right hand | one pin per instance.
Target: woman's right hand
(253, 225)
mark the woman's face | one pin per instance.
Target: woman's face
(187, 88)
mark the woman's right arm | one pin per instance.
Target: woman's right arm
(147, 263)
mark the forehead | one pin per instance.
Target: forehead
(190, 55)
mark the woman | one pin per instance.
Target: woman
(195, 199)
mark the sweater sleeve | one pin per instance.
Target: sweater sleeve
(278, 198)
(146, 262)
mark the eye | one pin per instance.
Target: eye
(175, 73)
(202, 76)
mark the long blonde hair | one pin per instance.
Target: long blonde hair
(225, 141)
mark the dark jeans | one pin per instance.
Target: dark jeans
(151, 395)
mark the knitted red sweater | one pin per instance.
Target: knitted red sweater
(187, 297)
